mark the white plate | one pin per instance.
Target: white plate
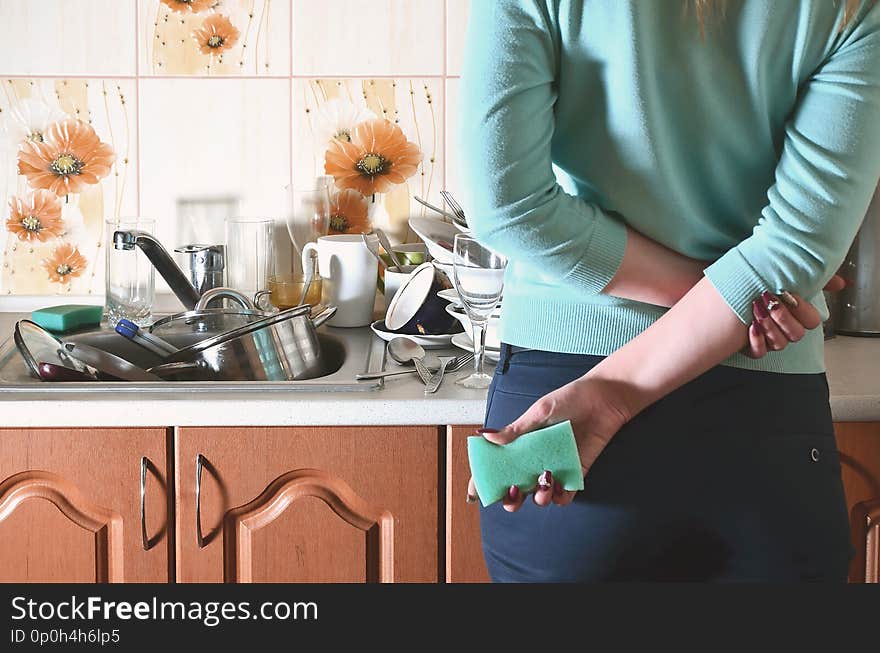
(450, 295)
(463, 341)
(433, 232)
(428, 342)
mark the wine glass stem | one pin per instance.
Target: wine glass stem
(479, 338)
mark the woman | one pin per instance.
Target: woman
(718, 159)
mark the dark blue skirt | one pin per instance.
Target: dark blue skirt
(733, 477)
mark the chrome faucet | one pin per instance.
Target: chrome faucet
(162, 261)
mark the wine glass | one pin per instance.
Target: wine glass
(479, 279)
(308, 215)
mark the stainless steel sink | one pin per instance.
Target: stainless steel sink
(346, 352)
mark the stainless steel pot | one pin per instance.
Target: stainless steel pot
(280, 347)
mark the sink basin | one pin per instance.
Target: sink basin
(345, 352)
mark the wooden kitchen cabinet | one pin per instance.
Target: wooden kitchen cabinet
(464, 553)
(70, 505)
(308, 504)
(859, 446)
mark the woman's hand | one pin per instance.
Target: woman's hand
(597, 412)
(783, 319)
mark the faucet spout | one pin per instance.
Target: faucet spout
(161, 260)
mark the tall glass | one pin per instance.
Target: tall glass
(308, 215)
(130, 277)
(250, 253)
(478, 275)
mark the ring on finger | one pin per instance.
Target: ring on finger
(772, 304)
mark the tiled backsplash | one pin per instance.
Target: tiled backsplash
(232, 127)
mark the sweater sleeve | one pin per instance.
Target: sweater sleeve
(513, 201)
(824, 181)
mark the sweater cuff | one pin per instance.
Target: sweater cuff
(737, 282)
(603, 255)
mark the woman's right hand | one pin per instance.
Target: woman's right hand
(783, 319)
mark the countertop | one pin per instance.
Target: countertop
(852, 363)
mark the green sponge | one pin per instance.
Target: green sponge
(61, 319)
(496, 467)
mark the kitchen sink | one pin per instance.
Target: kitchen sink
(345, 352)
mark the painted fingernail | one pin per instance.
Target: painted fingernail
(471, 498)
(770, 301)
(789, 299)
(513, 493)
(545, 480)
(760, 310)
(484, 430)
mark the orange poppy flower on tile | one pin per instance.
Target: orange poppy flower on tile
(349, 213)
(35, 217)
(65, 263)
(184, 6)
(70, 158)
(378, 157)
(216, 34)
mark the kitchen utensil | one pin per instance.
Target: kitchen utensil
(309, 272)
(436, 209)
(128, 237)
(372, 244)
(107, 363)
(454, 365)
(130, 275)
(437, 378)
(386, 245)
(204, 265)
(394, 280)
(416, 308)
(463, 341)
(308, 214)
(857, 307)
(144, 338)
(479, 280)
(349, 272)
(280, 347)
(250, 252)
(437, 235)
(457, 212)
(53, 372)
(428, 342)
(36, 345)
(492, 338)
(404, 350)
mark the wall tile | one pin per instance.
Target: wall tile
(262, 47)
(415, 104)
(456, 25)
(237, 146)
(452, 162)
(108, 105)
(383, 37)
(59, 37)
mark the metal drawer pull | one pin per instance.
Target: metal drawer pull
(200, 462)
(145, 541)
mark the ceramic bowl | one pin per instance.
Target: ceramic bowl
(438, 236)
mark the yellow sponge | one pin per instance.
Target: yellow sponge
(496, 467)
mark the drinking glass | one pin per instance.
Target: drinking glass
(130, 277)
(308, 215)
(478, 275)
(250, 252)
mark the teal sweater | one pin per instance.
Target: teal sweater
(756, 148)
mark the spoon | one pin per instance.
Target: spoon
(308, 281)
(386, 245)
(374, 251)
(404, 350)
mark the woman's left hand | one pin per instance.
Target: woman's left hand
(597, 413)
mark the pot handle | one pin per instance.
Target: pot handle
(228, 293)
(174, 367)
(324, 315)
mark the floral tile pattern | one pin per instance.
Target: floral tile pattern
(348, 128)
(67, 163)
(214, 37)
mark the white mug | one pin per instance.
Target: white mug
(393, 281)
(349, 270)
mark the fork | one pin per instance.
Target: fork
(434, 382)
(454, 365)
(457, 211)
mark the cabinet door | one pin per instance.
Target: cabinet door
(859, 445)
(464, 553)
(71, 509)
(307, 504)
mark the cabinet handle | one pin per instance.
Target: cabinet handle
(145, 541)
(200, 460)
